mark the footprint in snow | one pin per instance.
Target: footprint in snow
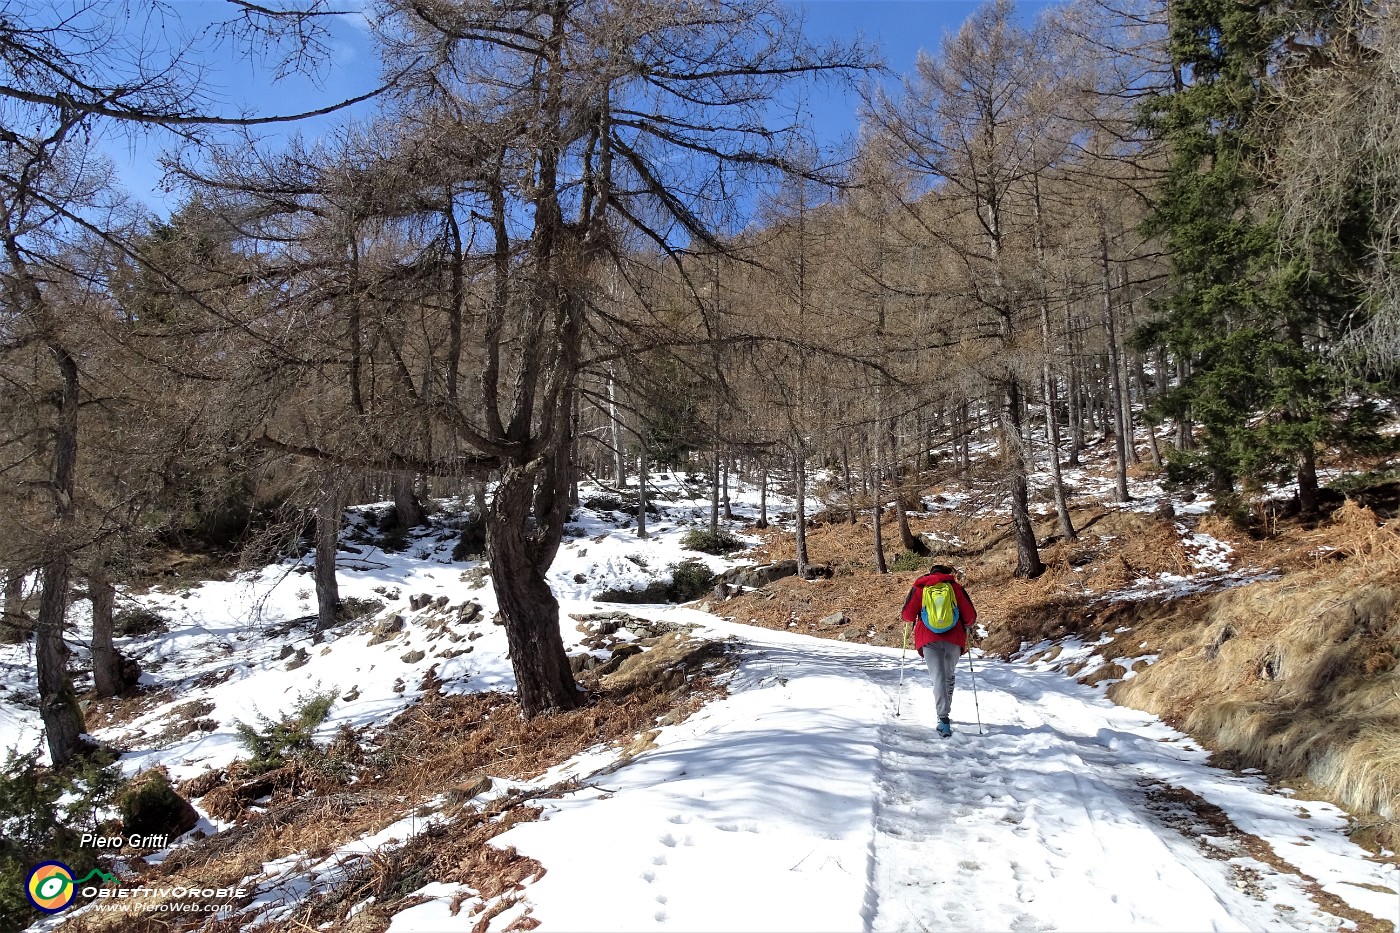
(648, 876)
(679, 818)
(659, 860)
(1025, 923)
(668, 840)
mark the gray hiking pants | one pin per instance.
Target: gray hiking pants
(942, 660)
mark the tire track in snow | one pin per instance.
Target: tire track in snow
(1042, 824)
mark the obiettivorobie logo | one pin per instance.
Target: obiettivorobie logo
(51, 886)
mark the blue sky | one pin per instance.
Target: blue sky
(900, 28)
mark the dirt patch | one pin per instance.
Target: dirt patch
(111, 712)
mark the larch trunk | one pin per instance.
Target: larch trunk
(642, 474)
(528, 610)
(1028, 563)
(328, 518)
(15, 626)
(877, 511)
(1121, 420)
(408, 511)
(106, 661)
(58, 703)
(800, 476)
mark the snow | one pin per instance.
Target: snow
(800, 802)
(814, 796)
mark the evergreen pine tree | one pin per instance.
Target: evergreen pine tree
(1250, 308)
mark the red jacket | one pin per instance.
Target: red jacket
(923, 635)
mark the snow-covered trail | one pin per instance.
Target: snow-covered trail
(1056, 818)
(800, 802)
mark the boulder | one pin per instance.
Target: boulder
(761, 575)
(619, 655)
(386, 629)
(833, 620)
(609, 623)
(469, 612)
(579, 663)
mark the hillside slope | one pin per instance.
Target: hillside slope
(802, 790)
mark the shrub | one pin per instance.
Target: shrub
(150, 806)
(604, 503)
(908, 560)
(690, 579)
(1353, 483)
(139, 620)
(622, 502)
(654, 592)
(341, 759)
(43, 814)
(721, 541)
(394, 541)
(273, 744)
(1184, 471)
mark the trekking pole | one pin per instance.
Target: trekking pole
(976, 705)
(900, 692)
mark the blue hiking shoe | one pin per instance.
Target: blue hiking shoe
(944, 729)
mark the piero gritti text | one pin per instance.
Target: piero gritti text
(134, 841)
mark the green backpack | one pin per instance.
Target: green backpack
(940, 612)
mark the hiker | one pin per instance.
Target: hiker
(940, 616)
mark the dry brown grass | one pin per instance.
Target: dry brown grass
(1298, 676)
(456, 852)
(868, 600)
(441, 745)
